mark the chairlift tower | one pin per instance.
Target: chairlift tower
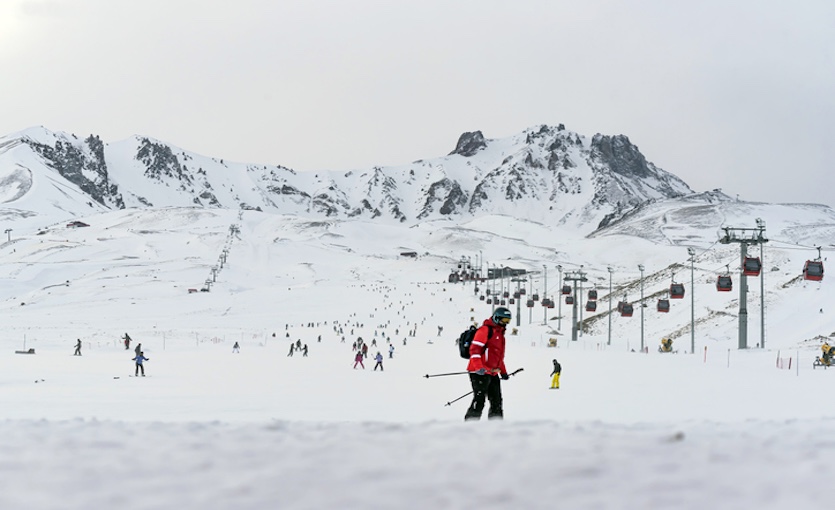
(745, 237)
(574, 277)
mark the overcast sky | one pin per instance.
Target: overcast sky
(738, 95)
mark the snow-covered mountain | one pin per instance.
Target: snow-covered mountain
(545, 174)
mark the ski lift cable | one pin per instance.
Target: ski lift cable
(798, 247)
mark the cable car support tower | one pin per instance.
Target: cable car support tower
(574, 277)
(746, 237)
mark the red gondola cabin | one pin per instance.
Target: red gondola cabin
(677, 291)
(813, 270)
(751, 266)
(663, 305)
(724, 283)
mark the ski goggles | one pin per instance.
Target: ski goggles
(504, 320)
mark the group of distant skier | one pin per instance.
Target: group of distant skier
(139, 357)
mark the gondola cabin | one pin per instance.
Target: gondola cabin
(505, 294)
(481, 298)
(516, 294)
(530, 303)
(751, 266)
(535, 297)
(569, 300)
(591, 306)
(592, 295)
(546, 301)
(512, 301)
(663, 305)
(502, 302)
(566, 289)
(626, 310)
(677, 291)
(724, 283)
(523, 291)
(813, 270)
(550, 303)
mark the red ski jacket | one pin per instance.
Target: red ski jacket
(488, 353)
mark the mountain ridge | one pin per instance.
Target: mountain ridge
(544, 173)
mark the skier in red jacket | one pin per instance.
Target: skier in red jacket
(486, 366)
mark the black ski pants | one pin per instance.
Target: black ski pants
(489, 387)
(139, 367)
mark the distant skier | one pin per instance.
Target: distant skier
(236, 348)
(299, 344)
(358, 359)
(127, 339)
(379, 358)
(364, 350)
(391, 350)
(304, 351)
(555, 382)
(77, 348)
(139, 366)
(290, 354)
(138, 349)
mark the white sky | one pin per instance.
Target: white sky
(736, 95)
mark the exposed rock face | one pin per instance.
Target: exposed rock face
(545, 173)
(469, 144)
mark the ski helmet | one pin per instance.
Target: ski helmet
(501, 315)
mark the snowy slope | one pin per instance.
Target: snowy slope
(211, 429)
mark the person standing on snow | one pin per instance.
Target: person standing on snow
(304, 351)
(236, 348)
(555, 382)
(358, 359)
(486, 366)
(126, 338)
(139, 366)
(391, 349)
(364, 350)
(290, 354)
(379, 358)
(138, 349)
(77, 348)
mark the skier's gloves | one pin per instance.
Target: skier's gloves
(481, 371)
(505, 377)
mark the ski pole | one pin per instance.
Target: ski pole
(470, 392)
(441, 375)
(459, 398)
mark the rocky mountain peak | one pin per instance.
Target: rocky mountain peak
(469, 144)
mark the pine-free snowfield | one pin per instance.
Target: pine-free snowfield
(210, 429)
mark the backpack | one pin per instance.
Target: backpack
(466, 339)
